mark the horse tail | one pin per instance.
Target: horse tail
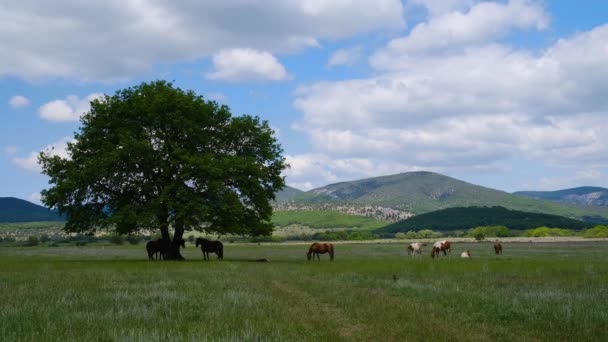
(220, 252)
(331, 252)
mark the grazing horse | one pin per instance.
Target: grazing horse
(210, 247)
(497, 248)
(320, 248)
(160, 249)
(415, 248)
(465, 254)
(155, 249)
(441, 246)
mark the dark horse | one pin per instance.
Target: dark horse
(210, 247)
(320, 248)
(160, 249)
(497, 248)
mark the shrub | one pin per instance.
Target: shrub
(479, 236)
(116, 239)
(546, 231)
(191, 238)
(411, 235)
(400, 236)
(32, 240)
(596, 232)
(45, 238)
(1, 239)
(134, 239)
(9, 239)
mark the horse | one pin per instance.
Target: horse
(465, 254)
(497, 248)
(415, 248)
(320, 248)
(160, 249)
(155, 249)
(210, 247)
(441, 246)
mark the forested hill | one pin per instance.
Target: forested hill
(287, 194)
(584, 195)
(422, 192)
(18, 210)
(471, 217)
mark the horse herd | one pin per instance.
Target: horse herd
(158, 249)
(445, 247)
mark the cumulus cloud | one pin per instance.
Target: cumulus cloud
(112, 40)
(446, 99)
(484, 22)
(242, 65)
(348, 56)
(30, 162)
(18, 101)
(68, 109)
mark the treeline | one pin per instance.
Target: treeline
(465, 218)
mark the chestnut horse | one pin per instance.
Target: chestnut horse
(497, 248)
(441, 246)
(320, 248)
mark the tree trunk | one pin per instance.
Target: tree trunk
(174, 247)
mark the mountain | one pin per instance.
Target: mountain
(287, 194)
(18, 210)
(471, 217)
(422, 192)
(584, 195)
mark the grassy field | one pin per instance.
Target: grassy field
(371, 292)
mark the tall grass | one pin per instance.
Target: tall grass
(370, 292)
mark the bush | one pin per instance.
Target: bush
(489, 231)
(45, 238)
(9, 239)
(80, 243)
(546, 231)
(191, 238)
(116, 239)
(134, 239)
(32, 241)
(479, 236)
(400, 236)
(596, 232)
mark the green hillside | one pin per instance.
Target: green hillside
(471, 217)
(18, 210)
(287, 194)
(324, 219)
(422, 192)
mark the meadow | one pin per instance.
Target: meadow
(371, 292)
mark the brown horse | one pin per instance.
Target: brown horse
(320, 248)
(441, 246)
(497, 248)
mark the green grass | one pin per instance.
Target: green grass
(324, 219)
(371, 292)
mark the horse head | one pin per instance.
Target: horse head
(308, 255)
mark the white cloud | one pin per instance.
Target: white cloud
(19, 101)
(113, 40)
(242, 65)
(484, 22)
(219, 97)
(348, 56)
(35, 198)
(68, 109)
(467, 102)
(10, 150)
(439, 7)
(30, 163)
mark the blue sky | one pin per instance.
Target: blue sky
(505, 94)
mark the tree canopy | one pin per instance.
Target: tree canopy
(155, 156)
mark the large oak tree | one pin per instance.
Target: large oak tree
(156, 157)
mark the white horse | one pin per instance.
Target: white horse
(465, 254)
(415, 248)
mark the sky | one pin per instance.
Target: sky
(510, 94)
